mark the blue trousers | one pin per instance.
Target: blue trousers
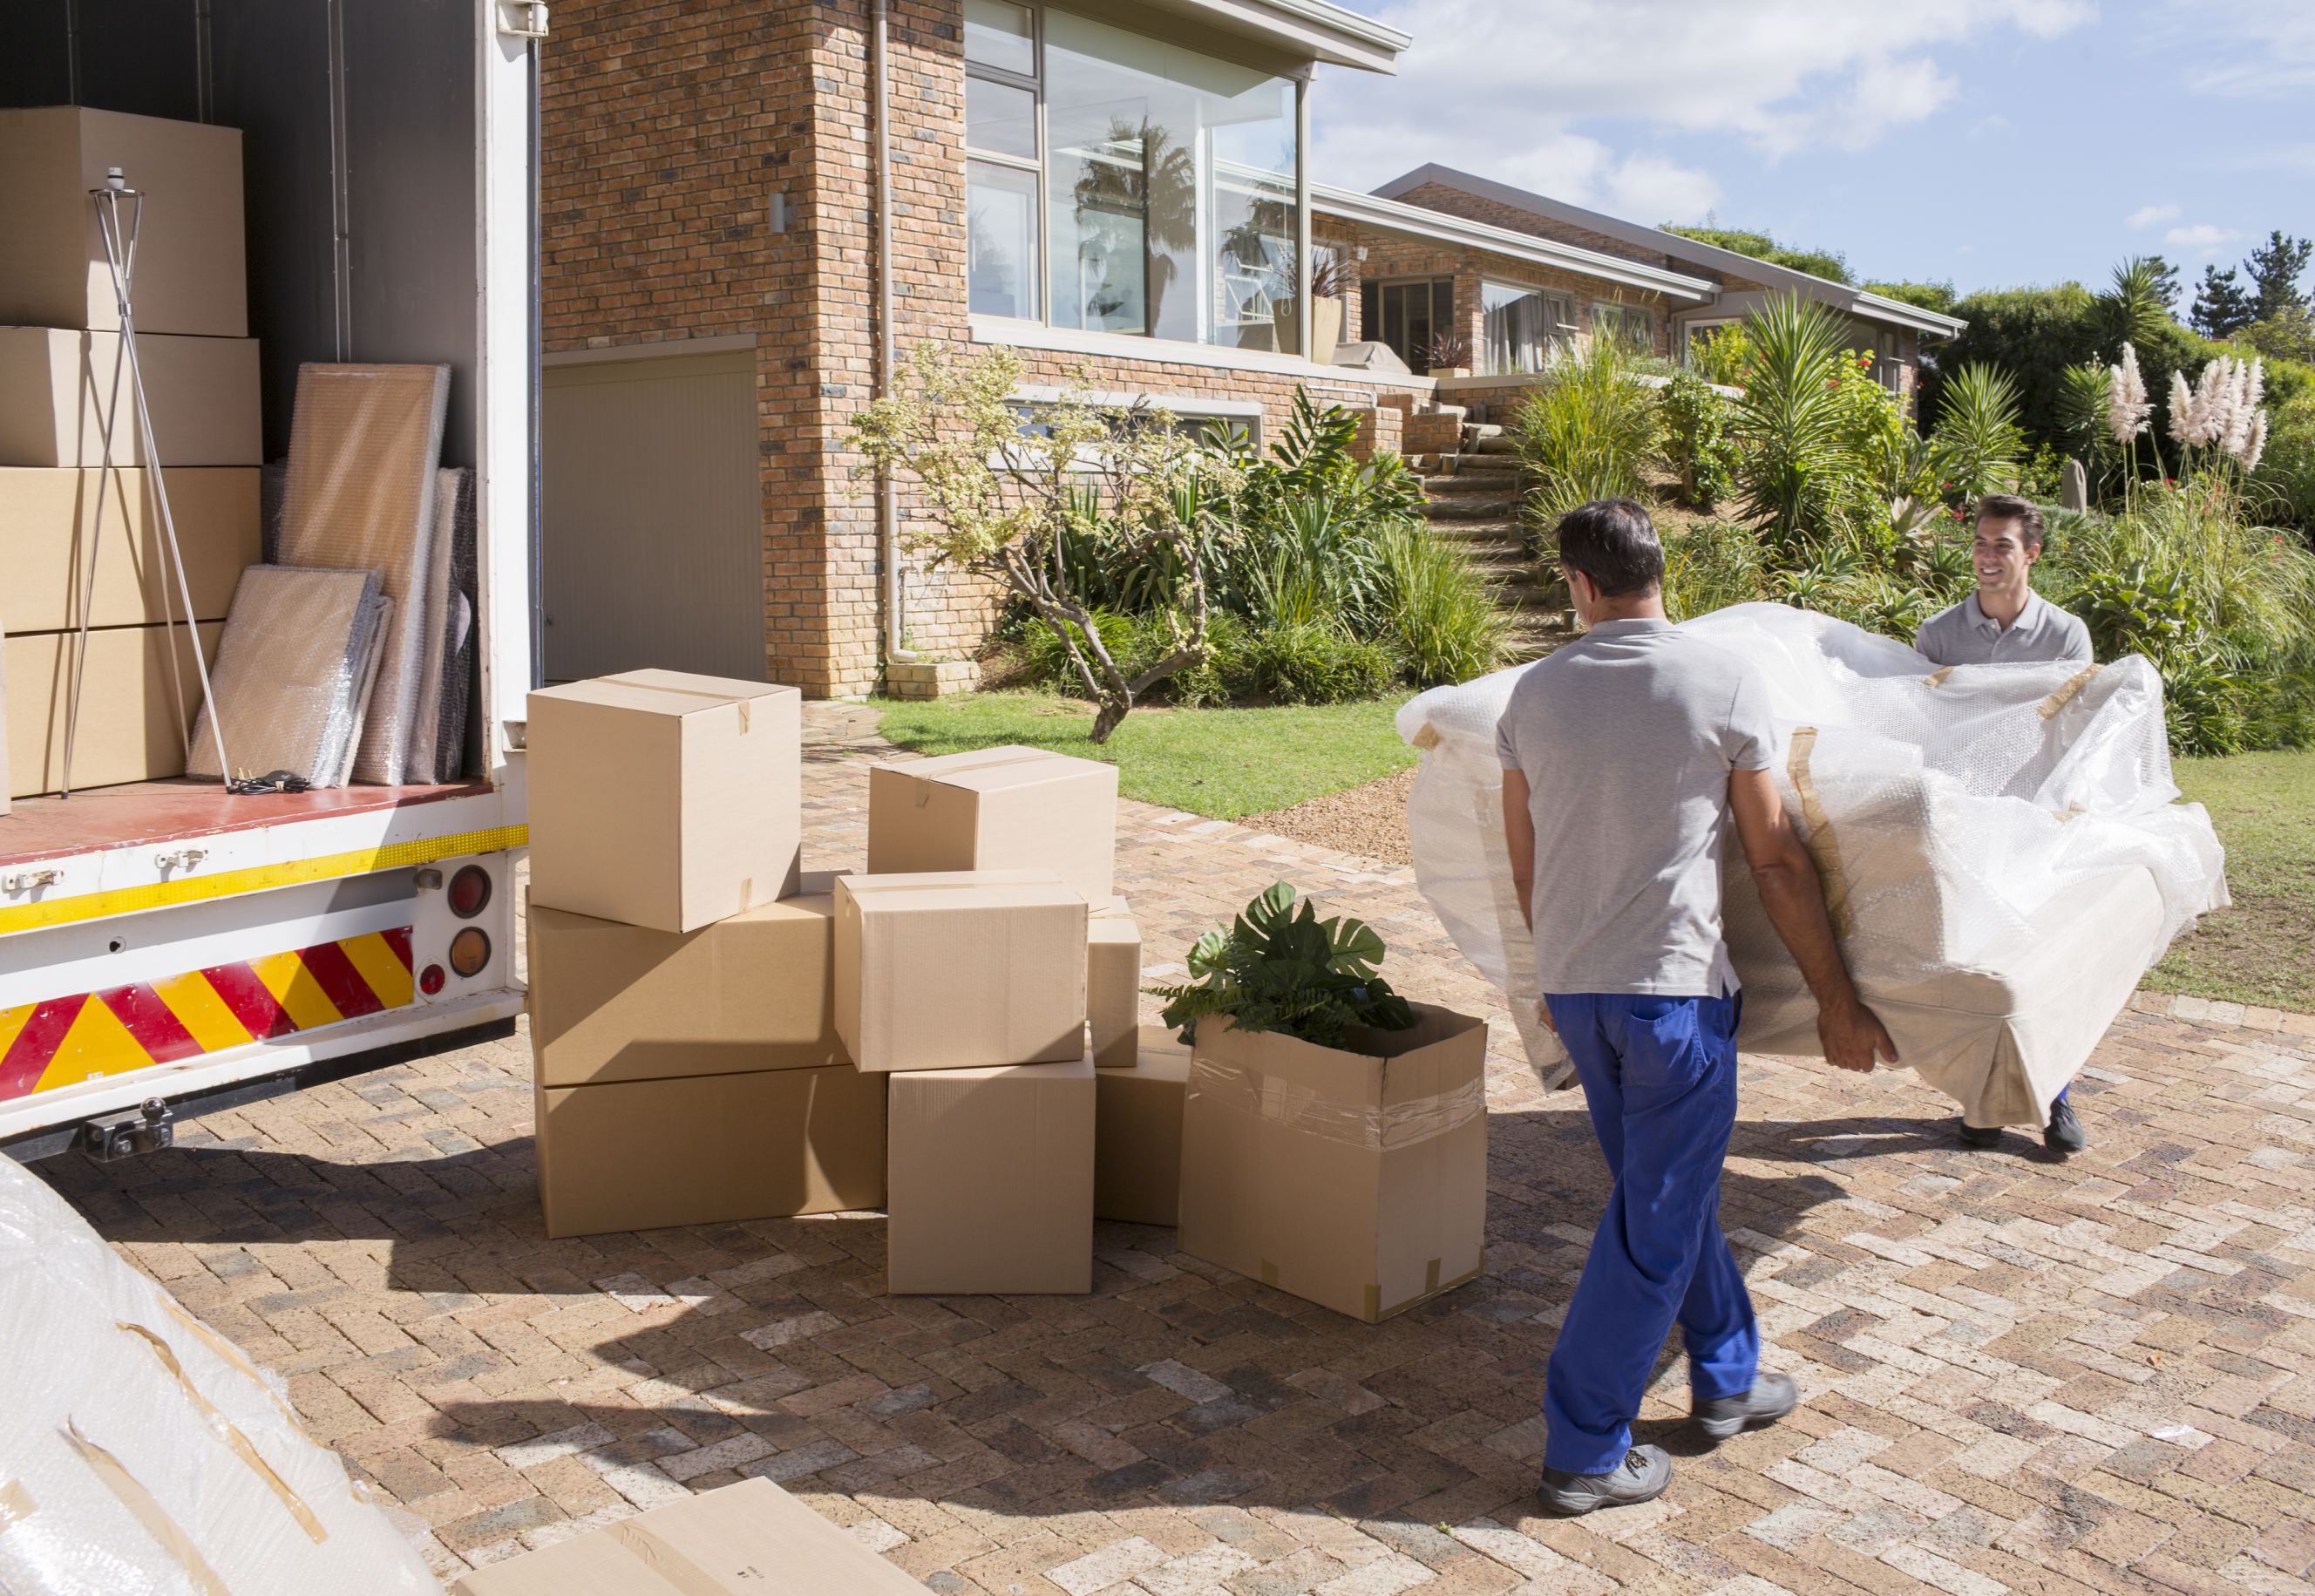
(1660, 1076)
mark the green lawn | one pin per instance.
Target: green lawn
(1227, 763)
(2263, 949)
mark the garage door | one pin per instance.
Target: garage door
(651, 535)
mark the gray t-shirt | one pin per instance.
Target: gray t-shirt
(1966, 635)
(1627, 737)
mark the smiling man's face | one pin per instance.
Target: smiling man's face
(2001, 555)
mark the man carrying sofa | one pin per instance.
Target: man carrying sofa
(2007, 622)
(1624, 754)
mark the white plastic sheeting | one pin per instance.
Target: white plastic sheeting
(2003, 850)
(142, 1455)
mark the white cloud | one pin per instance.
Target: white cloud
(2147, 215)
(1500, 89)
(2203, 239)
(2244, 48)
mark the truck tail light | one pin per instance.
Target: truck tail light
(470, 950)
(470, 892)
(431, 981)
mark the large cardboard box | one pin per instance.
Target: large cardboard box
(748, 1539)
(614, 1002)
(997, 809)
(49, 528)
(56, 390)
(641, 1155)
(190, 266)
(959, 969)
(665, 800)
(1137, 1156)
(1355, 1178)
(129, 726)
(1113, 983)
(991, 1181)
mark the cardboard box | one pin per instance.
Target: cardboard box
(614, 1002)
(48, 524)
(665, 800)
(641, 1155)
(959, 969)
(748, 1539)
(57, 389)
(991, 1181)
(1137, 1156)
(1358, 1178)
(191, 275)
(130, 727)
(1113, 983)
(997, 809)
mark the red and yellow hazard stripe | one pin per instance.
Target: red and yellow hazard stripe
(63, 1041)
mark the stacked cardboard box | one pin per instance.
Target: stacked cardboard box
(64, 384)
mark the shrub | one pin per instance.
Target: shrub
(1588, 430)
(1696, 441)
(1711, 567)
(1312, 662)
(1278, 968)
(1445, 620)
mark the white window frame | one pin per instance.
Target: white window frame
(1559, 306)
(1035, 165)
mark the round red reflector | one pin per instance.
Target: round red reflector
(470, 892)
(470, 950)
(430, 979)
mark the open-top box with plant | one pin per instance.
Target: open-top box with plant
(1334, 1134)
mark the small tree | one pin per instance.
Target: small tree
(1004, 490)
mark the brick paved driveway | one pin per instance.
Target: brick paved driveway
(2019, 1373)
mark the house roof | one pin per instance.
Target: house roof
(1393, 216)
(1313, 29)
(1858, 302)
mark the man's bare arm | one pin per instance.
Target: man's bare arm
(1790, 890)
(1519, 841)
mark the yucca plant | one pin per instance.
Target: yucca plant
(1977, 436)
(1788, 423)
(2134, 307)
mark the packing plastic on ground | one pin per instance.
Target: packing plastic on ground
(2003, 851)
(142, 1455)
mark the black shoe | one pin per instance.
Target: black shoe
(2065, 1132)
(1642, 1476)
(1771, 1397)
(1977, 1135)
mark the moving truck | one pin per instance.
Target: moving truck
(166, 947)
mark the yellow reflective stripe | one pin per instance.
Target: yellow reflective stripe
(97, 1043)
(294, 988)
(12, 1021)
(381, 971)
(231, 883)
(201, 1012)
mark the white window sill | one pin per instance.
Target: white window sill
(1119, 346)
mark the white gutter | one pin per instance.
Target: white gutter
(1312, 29)
(1396, 216)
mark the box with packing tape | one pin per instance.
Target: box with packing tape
(1007, 808)
(1113, 982)
(1137, 1158)
(748, 1539)
(53, 521)
(1355, 1178)
(992, 1174)
(663, 799)
(960, 970)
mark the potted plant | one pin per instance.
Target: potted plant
(1325, 310)
(1334, 1134)
(1448, 354)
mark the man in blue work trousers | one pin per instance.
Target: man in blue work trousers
(2007, 622)
(1624, 754)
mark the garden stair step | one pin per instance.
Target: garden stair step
(1468, 507)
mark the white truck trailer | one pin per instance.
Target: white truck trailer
(166, 947)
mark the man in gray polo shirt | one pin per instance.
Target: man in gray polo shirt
(1625, 755)
(2007, 622)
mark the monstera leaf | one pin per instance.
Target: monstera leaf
(1279, 967)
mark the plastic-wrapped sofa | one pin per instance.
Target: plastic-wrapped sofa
(142, 1455)
(2003, 851)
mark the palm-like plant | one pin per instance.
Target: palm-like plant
(1977, 434)
(2083, 408)
(1789, 419)
(2135, 308)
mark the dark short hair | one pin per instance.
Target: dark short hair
(1612, 541)
(2009, 507)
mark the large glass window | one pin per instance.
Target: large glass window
(1523, 326)
(1632, 325)
(1162, 181)
(1407, 317)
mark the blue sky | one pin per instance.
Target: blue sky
(1989, 142)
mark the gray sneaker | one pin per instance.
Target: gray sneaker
(1771, 1397)
(1642, 1476)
